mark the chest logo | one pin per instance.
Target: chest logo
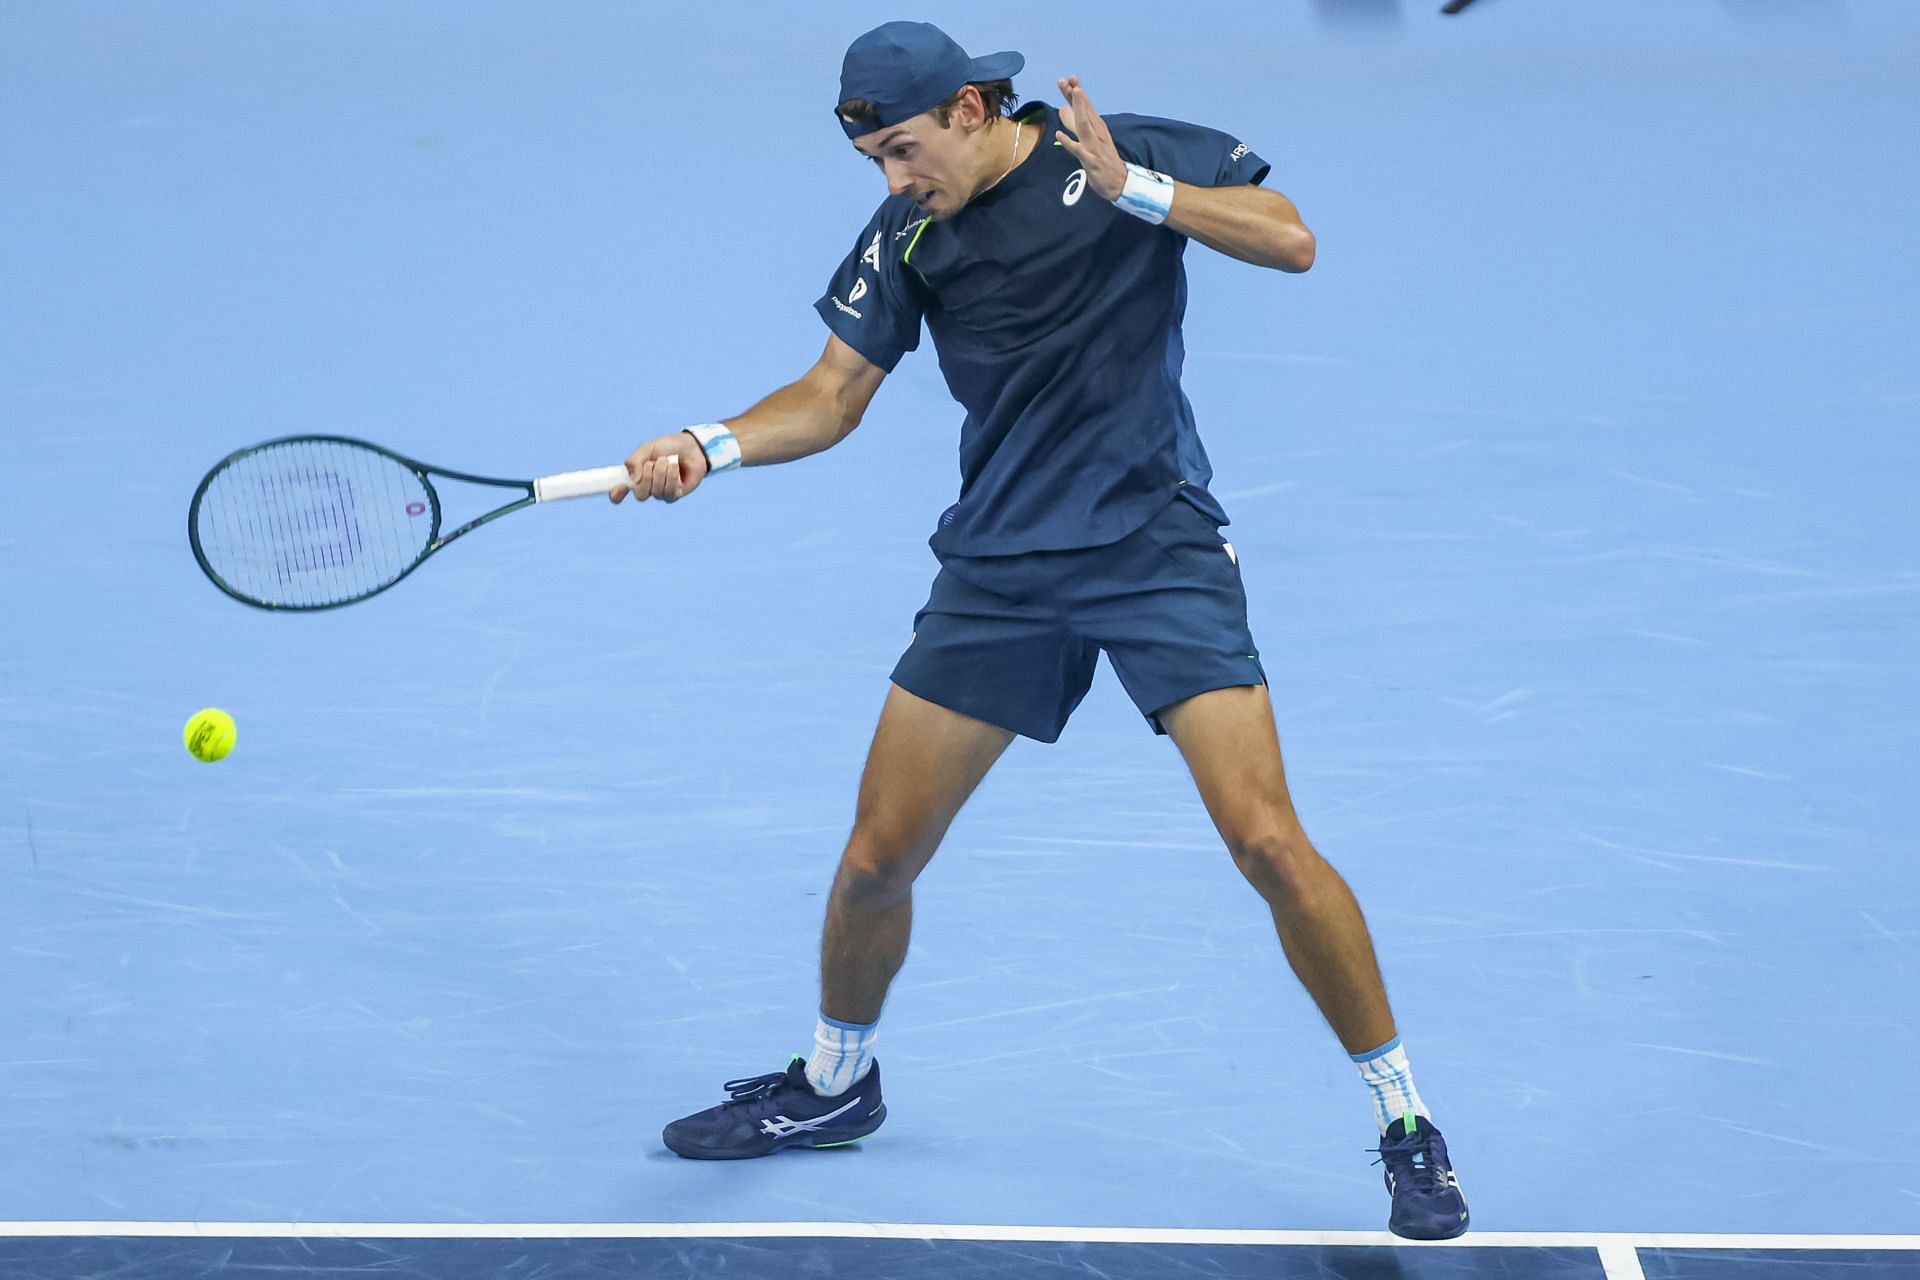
(1076, 183)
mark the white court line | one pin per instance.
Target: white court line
(1621, 1262)
(1618, 1246)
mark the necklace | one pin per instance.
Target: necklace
(1013, 164)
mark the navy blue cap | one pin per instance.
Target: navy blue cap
(904, 68)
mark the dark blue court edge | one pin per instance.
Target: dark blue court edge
(1777, 1264)
(147, 1258)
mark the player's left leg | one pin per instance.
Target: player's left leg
(1228, 740)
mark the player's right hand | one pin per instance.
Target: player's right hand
(669, 469)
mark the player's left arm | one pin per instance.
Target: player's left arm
(1250, 223)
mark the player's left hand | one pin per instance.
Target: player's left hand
(1092, 145)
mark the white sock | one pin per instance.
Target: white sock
(842, 1053)
(1390, 1080)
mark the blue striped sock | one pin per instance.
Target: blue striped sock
(842, 1052)
(1390, 1080)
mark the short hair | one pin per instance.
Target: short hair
(997, 96)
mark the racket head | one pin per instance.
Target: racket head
(312, 522)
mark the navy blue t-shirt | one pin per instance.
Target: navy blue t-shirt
(1057, 322)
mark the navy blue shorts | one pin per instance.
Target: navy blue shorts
(1012, 640)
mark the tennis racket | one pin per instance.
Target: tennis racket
(315, 522)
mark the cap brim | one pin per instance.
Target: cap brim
(996, 66)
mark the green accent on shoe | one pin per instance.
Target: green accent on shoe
(824, 1146)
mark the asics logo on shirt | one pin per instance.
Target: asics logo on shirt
(780, 1126)
(872, 256)
(1076, 183)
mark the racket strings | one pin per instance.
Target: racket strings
(311, 523)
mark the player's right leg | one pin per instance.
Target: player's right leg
(924, 762)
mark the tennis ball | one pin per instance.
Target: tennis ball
(210, 734)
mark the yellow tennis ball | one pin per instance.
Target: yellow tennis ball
(210, 734)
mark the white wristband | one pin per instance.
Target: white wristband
(718, 443)
(1147, 195)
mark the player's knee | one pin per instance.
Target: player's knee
(878, 867)
(1282, 865)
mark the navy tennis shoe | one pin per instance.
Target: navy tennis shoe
(768, 1113)
(1427, 1204)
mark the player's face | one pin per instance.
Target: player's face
(932, 166)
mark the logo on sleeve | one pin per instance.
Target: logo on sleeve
(1076, 183)
(1239, 151)
(872, 256)
(859, 290)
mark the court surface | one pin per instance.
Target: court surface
(1572, 489)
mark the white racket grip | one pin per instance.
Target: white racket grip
(593, 482)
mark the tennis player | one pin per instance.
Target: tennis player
(1042, 250)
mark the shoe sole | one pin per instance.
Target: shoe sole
(1453, 1230)
(799, 1140)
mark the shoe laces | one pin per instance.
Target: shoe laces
(1412, 1157)
(753, 1088)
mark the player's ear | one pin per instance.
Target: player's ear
(971, 107)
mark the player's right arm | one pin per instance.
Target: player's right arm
(804, 417)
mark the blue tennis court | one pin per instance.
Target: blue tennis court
(1570, 489)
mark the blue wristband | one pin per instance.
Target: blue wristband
(1147, 195)
(719, 444)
